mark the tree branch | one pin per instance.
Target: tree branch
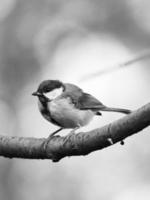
(82, 143)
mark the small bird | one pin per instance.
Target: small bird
(68, 106)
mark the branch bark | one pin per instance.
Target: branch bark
(82, 143)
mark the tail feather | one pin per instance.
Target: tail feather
(121, 110)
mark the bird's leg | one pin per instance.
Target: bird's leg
(45, 143)
(72, 132)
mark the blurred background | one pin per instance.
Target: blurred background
(70, 40)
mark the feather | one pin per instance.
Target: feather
(87, 101)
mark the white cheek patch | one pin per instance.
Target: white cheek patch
(54, 93)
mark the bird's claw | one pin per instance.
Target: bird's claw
(45, 143)
(69, 136)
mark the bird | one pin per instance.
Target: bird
(67, 106)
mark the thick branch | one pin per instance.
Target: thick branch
(82, 143)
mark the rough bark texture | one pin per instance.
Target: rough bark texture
(82, 143)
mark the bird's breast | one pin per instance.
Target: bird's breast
(44, 109)
(68, 116)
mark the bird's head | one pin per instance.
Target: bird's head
(49, 89)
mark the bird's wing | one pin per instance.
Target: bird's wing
(72, 92)
(81, 100)
(87, 101)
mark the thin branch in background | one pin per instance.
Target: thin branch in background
(141, 56)
(82, 143)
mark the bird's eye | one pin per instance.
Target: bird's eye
(54, 93)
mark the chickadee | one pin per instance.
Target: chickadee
(68, 106)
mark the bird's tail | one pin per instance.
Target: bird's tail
(121, 110)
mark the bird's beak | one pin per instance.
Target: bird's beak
(36, 94)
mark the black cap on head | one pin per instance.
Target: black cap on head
(49, 85)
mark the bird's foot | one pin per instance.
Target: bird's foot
(70, 135)
(47, 140)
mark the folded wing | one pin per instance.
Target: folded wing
(87, 101)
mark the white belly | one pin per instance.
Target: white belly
(69, 116)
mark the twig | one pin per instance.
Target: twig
(82, 143)
(144, 55)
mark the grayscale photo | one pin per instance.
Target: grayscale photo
(74, 100)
